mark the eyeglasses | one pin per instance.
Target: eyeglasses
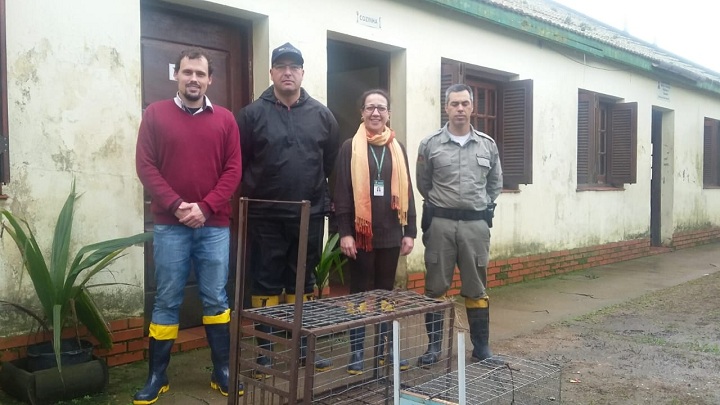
(293, 67)
(370, 108)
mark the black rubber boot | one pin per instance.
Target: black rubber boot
(218, 337)
(357, 351)
(479, 321)
(262, 359)
(321, 363)
(157, 381)
(262, 301)
(434, 328)
(386, 348)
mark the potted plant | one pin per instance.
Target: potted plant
(62, 288)
(331, 261)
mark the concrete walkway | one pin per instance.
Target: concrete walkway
(523, 308)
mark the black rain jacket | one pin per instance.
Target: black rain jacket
(288, 154)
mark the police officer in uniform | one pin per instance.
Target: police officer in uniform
(459, 177)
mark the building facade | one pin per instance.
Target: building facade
(610, 146)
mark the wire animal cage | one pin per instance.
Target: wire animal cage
(325, 326)
(498, 380)
(302, 331)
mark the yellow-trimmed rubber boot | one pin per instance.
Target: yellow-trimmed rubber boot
(157, 381)
(321, 363)
(218, 337)
(386, 348)
(260, 301)
(478, 314)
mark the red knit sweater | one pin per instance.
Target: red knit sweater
(191, 158)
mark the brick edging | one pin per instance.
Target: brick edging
(130, 344)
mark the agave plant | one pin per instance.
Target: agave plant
(331, 260)
(62, 284)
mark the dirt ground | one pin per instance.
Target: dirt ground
(662, 348)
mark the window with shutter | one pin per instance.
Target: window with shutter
(502, 109)
(585, 148)
(606, 142)
(515, 132)
(711, 153)
(4, 136)
(622, 144)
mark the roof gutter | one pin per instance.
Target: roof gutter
(540, 29)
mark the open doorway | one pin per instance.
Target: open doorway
(352, 70)
(656, 180)
(662, 177)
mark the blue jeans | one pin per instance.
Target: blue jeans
(176, 247)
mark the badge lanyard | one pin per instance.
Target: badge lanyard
(378, 184)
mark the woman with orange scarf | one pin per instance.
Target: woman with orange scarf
(375, 212)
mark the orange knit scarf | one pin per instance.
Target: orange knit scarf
(360, 175)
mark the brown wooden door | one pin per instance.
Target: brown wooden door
(165, 32)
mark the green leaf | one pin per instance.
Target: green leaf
(330, 261)
(90, 315)
(61, 240)
(33, 261)
(57, 333)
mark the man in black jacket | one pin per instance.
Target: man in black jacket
(289, 143)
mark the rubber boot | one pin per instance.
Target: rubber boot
(218, 337)
(479, 320)
(157, 381)
(262, 359)
(260, 301)
(321, 363)
(386, 348)
(357, 351)
(434, 328)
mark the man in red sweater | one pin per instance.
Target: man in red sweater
(188, 158)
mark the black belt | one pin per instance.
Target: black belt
(459, 215)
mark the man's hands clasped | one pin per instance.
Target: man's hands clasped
(190, 215)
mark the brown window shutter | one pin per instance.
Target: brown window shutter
(449, 75)
(707, 153)
(622, 157)
(711, 153)
(515, 133)
(585, 133)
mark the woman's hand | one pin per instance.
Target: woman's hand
(347, 246)
(407, 245)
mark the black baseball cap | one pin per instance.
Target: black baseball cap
(288, 50)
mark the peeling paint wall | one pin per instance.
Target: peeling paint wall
(74, 109)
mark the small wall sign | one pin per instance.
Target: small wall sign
(368, 20)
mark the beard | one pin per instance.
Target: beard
(192, 96)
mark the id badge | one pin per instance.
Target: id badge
(379, 188)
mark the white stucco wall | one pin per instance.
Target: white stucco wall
(74, 110)
(74, 95)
